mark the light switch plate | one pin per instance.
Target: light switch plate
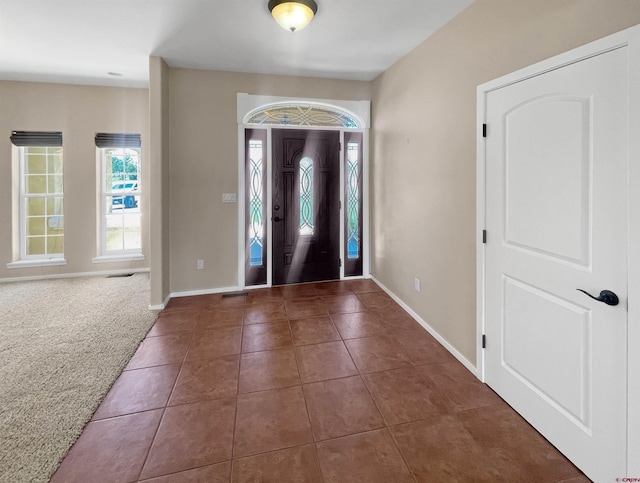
(228, 197)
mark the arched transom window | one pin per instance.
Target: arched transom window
(302, 115)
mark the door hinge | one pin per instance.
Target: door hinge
(340, 204)
(340, 146)
(484, 130)
(339, 262)
(484, 236)
(484, 341)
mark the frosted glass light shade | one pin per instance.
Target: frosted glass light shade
(293, 15)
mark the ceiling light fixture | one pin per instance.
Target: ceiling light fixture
(293, 15)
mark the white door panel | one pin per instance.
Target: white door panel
(530, 316)
(547, 183)
(556, 215)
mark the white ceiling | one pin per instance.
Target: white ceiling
(80, 41)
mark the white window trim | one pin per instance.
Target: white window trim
(37, 262)
(133, 257)
(104, 255)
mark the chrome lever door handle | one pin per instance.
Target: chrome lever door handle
(606, 296)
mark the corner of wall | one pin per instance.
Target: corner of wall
(159, 174)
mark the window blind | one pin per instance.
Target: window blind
(36, 138)
(117, 140)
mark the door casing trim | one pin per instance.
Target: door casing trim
(629, 39)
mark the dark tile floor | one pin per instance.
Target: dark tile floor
(328, 382)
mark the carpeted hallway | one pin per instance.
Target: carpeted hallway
(328, 382)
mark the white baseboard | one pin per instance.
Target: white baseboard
(191, 293)
(207, 291)
(104, 273)
(162, 305)
(429, 329)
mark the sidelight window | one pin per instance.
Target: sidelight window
(353, 205)
(256, 205)
(353, 201)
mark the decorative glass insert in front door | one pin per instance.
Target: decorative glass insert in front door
(306, 196)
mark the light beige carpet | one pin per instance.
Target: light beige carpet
(62, 345)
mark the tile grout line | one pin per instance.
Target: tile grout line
(166, 406)
(237, 398)
(306, 407)
(395, 442)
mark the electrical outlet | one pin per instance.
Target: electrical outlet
(200, 265)
(416, 285)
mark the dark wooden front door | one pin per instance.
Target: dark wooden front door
(306, 206)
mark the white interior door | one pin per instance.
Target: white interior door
(556, 219)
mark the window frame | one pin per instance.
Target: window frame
(23, 196)
(125, 254)
(19, 141)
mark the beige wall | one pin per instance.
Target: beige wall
(423, 153)
(204, 164)
(159, 180)
(423, 145)
(79, 112)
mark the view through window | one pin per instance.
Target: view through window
(121, 198)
